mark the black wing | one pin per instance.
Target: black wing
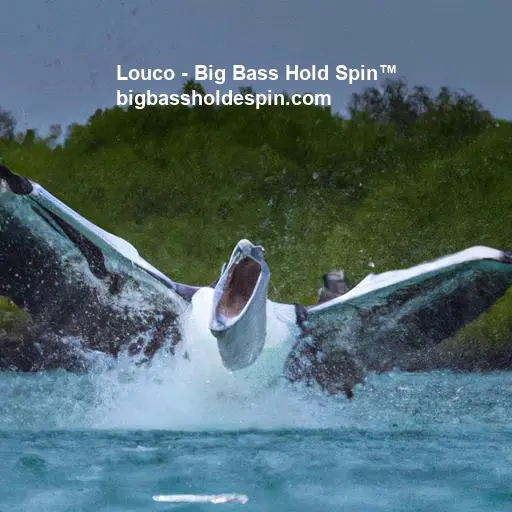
(77, 281)
(398, 312)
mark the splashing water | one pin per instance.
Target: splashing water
(177, 393)
(199, 394)
(116, 438)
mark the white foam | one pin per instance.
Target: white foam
(199, 393)
(198, 498)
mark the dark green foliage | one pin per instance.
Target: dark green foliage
(411, 176)
(12, 319)
(450, 113)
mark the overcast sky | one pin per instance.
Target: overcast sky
(59, 57)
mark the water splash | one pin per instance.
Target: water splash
(179, 393)
(199, 394)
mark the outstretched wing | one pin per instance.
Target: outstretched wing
(77, 279)
(104, 252)
(100, 248)
(415, 307)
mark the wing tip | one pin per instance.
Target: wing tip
(507, 257)
(18, 184)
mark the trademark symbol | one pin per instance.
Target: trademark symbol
(389, 69)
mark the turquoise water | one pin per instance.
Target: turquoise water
(109, 442)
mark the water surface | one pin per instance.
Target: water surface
(109, 442)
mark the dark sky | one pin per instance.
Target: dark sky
(58, 57)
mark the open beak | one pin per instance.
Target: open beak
(243, 270)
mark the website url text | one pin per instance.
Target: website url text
(195, 98)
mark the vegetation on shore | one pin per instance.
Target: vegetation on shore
(12, 319)
(412, 175)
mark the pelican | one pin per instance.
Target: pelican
(80, 282)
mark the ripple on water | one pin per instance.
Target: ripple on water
(434, 441)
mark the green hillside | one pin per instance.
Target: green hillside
(411, 175)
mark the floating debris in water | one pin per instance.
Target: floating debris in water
(198, 498)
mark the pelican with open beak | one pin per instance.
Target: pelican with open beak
(239, 312)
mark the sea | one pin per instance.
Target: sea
(119, 438)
